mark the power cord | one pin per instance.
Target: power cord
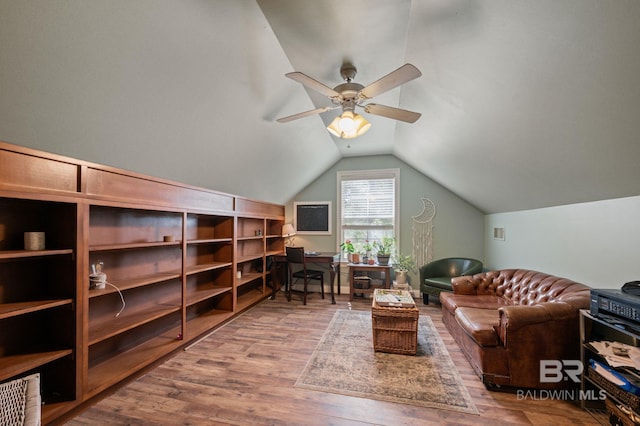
(98, 278)
(121, 298)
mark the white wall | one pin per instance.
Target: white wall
(593, 243)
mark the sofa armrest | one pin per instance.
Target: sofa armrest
(521, 320)
(474, 284)
(533, 333)
(465, 285)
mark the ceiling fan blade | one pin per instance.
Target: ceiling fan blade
(304, 114)
(313, 84)
(391, 112)
(405, 73)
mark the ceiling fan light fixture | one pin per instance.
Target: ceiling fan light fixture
(350, 95)
(349, 125)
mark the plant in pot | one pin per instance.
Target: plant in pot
(367, 249)
(383, 249)
(350, 249)
(402, 265)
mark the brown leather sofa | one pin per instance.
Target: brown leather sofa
(506, 321)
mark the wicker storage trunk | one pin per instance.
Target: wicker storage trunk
(395, 330)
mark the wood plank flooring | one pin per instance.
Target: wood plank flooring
(243, 374)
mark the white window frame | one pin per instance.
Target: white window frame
(363, 175)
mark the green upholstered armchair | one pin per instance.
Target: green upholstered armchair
(435, 277)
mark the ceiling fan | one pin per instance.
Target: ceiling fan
(350, 95)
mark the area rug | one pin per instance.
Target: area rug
(344, 363)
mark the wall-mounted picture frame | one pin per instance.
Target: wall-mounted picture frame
(312, 217)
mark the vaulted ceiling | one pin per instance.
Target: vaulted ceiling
(524, 103)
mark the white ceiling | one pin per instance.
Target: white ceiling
(525, 103)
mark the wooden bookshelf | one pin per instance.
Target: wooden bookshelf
(171, 251)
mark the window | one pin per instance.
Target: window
(367, 205)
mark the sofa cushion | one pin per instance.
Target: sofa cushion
(525, 287)
(451, 301)
(439, 282)
(480, 324)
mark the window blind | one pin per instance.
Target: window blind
(368, 203)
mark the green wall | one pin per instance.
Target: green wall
(458, 227)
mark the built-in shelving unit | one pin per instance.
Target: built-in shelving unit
(209, 271)
(250, 261)
(593, 329)
(171, 254)
(38, 296)
(274, 244)
(273, 233)
(143, 296)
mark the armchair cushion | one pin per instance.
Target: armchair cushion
(439, 282)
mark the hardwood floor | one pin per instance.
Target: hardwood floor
(243, 374)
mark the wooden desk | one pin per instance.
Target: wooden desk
(330, 258)
(364, 270)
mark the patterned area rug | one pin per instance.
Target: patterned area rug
(344, 363)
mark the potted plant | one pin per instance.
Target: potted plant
(367, 249)
(383, 249)
(402, 265)
(348, 247)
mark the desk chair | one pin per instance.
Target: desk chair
(295, 256)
